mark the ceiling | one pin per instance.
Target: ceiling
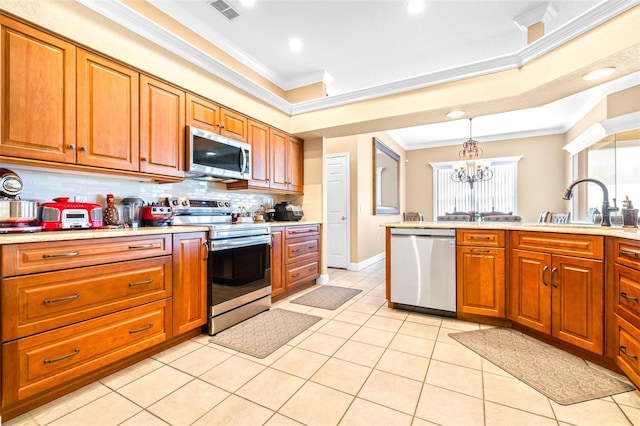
(363, 45)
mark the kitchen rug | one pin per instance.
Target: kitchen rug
(562, 377)
(326, 297)
(263, 334)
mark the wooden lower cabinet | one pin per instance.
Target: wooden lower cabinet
(480, 268)
(295, 259)
(559, 295)
(189, 281)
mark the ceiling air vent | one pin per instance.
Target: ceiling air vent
(225, 8)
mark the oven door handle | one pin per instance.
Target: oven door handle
(217, 245)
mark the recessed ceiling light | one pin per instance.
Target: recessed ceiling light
(456, 114)
(295, 44)
(599, 73)
(415, 6)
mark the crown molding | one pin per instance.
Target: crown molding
(543, 13)
(128, 18)
(601, 129)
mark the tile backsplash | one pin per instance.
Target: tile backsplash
(45, 185)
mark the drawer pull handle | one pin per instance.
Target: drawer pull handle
(295, 251)
(634, 254)
(62, 299)
(145, 246)
(311, 247)
(53, 256)
(475, 237)
(72, 354)
(139, 330)
(301, 231)
(296, 275)
(480, 251)
(624, 294)
(623, 349)
(139, 283)
(312, 269)
(544, 270)
(553, 274)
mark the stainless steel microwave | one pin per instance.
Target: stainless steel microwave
(210, 155)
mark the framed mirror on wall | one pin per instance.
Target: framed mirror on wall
(386, 179)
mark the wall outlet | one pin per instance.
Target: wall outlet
(81, 198)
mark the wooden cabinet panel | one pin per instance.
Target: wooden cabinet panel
(162, 118)
(38, 94)
(480, 238)
(578, 302)
(260, 161)
(585, 246)
(301, 273)
(300, 250)
(28, 258)
(295, 158)
(481, 281)
(530, 290)
(302, 231)
(189, 281)
(202, 114)
(107, 103)
(48, 359)
(277, 261)
(40, 302)
(628, 349)
(627, 252)
(279, 164)
(233, 125)
(627, 293)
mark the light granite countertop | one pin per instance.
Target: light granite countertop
(614, 231)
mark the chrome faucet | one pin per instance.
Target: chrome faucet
(606, 212)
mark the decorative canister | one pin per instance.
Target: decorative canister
(629, 214)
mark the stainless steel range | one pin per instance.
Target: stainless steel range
(239, 262)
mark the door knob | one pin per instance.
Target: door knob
(343, 218)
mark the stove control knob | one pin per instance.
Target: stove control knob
(185, 202)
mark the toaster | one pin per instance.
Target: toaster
(62, 214)
(286, 211)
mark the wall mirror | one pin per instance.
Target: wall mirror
(386, 179)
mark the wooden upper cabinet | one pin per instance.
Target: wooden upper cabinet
(162, 120)
(202, 113)
(38, 94)
(233, 125)
(108, 111)
(260, 167)
(279, 164)
(295, 158)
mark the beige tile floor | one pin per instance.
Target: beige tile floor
(363, 364)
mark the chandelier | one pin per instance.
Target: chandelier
(473, 169)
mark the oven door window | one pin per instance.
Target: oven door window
(238, 271)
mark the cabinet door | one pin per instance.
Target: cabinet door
(259, 140)
(578, 302)
(162, 117)
(530, 290)
(295, 157)
(277, 261)
(189, 281)
(233, 125)
(202, 113)
(279, 164)
(481, 281)
(38, 95)
(108, 113)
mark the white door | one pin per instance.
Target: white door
(337, 210)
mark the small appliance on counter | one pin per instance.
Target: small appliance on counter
(285, 211)
(157, 214)
(62, 214)
(131, 209)
(629, 214)
(16, 215)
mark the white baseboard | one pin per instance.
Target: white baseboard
(368, 262)
(323, 279)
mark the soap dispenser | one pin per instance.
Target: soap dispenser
(629, 214)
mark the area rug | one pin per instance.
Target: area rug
(326, 297)
(562, 377)
(263, 334)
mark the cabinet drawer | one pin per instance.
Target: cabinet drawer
(587, 246)
(299, 250)
(627, 252)
(301, 231)
(40, 302)
(628, 345)
(303, 272)
(29, 258)
(484, 238)
(55, 357)
(627, 282)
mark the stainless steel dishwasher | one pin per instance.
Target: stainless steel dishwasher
(423, 268)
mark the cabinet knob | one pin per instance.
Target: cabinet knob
(143, 159)
(83, 148)
(71, 146)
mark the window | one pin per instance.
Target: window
(499, 193)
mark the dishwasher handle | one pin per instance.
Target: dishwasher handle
(423, 232)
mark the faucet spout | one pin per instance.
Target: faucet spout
(606, 214)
